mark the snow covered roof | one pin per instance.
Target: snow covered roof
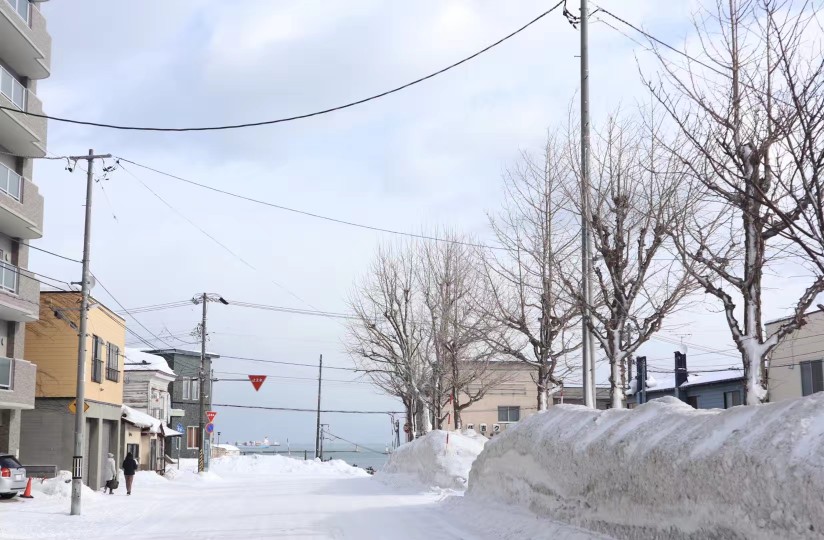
(137, 360)
(169, 432)
(657, 382)
(141, 419)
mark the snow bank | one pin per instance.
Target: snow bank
(432, 462)
(59, 486)
(665, 470)
(271, 465)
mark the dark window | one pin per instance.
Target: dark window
(509, 414)
(192, 437)
(692, 401)
(732, 399)
(113, 362)
(97, 359)
(812, 377)
(134, 449)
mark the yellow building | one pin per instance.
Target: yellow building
(47, 432)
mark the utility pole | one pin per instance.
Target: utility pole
(203, 458)
(588, 340)
(317, 428)
(80, 402)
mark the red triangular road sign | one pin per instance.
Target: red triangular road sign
(257, 381)
(211, 416)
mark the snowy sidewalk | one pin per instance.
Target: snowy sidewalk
(270, 499)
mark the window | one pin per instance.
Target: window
(12, 89)
(21, 7)
(732, 399)
(112, 362)
(191, 389)
(192, 438)
(97, 359)
(8, 272)
(157, 413)
(509, 414)
(692, 401)
(812, 377)
(185, 389)
(6, 370)
(195, 389)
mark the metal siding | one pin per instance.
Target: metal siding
(712, 396)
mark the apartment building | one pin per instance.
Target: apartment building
(185, 391)
(25, 50)
(47, 431)
(797, 364)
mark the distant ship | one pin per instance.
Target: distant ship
(265, 443)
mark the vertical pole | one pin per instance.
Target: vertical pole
(317, 427)
(201, 462)
(588, 342)
(80, 416)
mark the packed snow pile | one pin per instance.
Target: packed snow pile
(665, 470)
(434, 462)
(59, 486)
(275, 465)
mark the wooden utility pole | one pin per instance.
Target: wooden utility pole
(85, 285)
(317, 427)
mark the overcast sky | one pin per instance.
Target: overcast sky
(431, 155)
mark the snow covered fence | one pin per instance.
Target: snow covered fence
(665, 470)
(430, 461)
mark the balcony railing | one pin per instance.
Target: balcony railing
(9, 277)
(13, 89)
(23, 8)
(6, 372)
(11, 183)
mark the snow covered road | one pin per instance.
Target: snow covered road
(268, 499)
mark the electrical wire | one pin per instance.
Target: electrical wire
(54, 254)
(307, 213)
(280, 362)
(295, 409)
(297, 117)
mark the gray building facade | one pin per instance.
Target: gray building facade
(25, 52)
(185, 397)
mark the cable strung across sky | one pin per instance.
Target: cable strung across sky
(297, 117)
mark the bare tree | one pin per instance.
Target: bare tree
(535, 317)
(452, 282)
(749, 109)
(388, 336)
(633, 204)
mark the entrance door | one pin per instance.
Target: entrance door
(153, 455)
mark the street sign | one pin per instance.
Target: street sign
(257, 381)
(179, 427)
(211, 415)
(210, 428)
(73, 407)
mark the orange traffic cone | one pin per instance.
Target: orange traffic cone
(27, 494)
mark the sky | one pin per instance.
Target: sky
(432, 155)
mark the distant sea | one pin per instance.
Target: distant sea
(370, 455)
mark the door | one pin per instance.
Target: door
(153, 455)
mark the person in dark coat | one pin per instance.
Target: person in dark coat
(129, 468)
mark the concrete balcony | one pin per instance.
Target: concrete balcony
(17, 383)
(19, 294)
(21, 134)
(21, 206)
(25, 43)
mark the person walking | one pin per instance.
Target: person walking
(110, 474)
(129, 468)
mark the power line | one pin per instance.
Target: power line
(306, 213)
(298, 117)
(53, 253)
(311, 379)
(212, 238)
(280, 362)
(293, 409)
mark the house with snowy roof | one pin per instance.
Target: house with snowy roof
(700, 388)
(147, 409)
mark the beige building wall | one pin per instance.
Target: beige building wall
(806, 343)
(51, 343)
(517, 389)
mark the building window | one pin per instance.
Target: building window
(190, 389)
(22, 8)
(195, 389)
(185, 389)
(10, 182)
(12, 89)
(112, 362)
(509, 414)
(192, 438)
(157, 413)
(692, 401)
(812, 377)
(9, 273)
(6, 372)
(134, 449)
(97, 359)
(732, 399)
